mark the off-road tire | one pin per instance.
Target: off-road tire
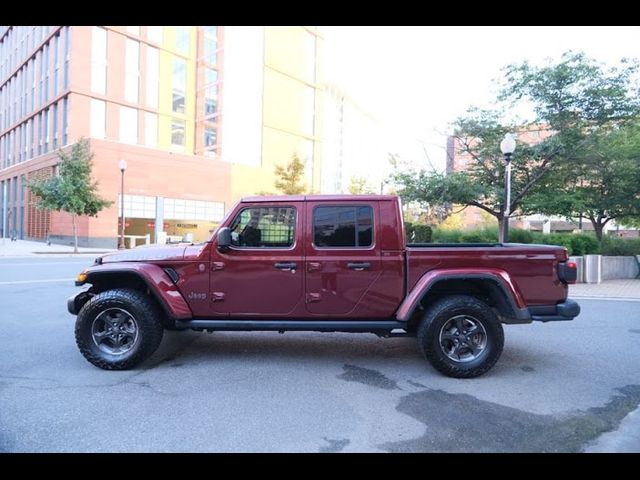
(143, 316)
(473, 311)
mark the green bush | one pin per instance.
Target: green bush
(418, 233)
(583, 244)
(560, 239)
(490, 234)
(475, 236)
(442, 235)
(483, 235)
(620, 246)
(575, 243)
(517, 235)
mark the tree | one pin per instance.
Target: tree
(604, 185)
(291, 177)
(72, 190)
(577, 103)
(359, 185)
(594, 113)
(481, 184)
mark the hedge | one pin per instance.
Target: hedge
(417, 233)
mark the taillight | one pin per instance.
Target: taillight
(568, 272)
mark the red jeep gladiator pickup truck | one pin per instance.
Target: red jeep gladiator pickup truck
(327, 263)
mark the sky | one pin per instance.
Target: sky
(419, 79)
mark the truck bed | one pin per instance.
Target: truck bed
(533, 268)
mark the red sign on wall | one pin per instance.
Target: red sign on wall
(153, 224)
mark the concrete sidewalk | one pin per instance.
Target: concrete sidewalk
(25, 248)
(627, 288)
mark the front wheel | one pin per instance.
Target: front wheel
(118, 329)
(461, 336)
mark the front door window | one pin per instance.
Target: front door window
(264, 227)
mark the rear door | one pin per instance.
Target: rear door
(343, 259)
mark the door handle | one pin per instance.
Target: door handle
(286, 265)
(314, 267)
(358, 266)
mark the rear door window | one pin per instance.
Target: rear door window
(343, 226)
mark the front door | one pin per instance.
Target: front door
(343, 260)
(261, 274)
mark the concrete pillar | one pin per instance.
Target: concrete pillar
(579, 261)
(5, 206)
(159, 228)
(593, 269)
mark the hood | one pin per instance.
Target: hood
(146, 254)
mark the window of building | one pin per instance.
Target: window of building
(18, 149)
(98, 60)
(65, 120)
(98, 118)
(264, 227)
(128, 125)
(56, 63)
(152, 77)
(32, 64)
(132, 70)
(154, 33)
(138, 206)
(309, 110)
(39, 133)
(40, 76)
(67, 41)
(211, 44)
(45, 130)
(350, 226)
(29, 146)
(55, 125)
(210, 93)
(25, 89)
(179, 84)
(210, 139)
(150, 129)
(45, 73)
(177, 132)
(183, 39)
(310, 56)
(179, 209)
(10, 149)
(307, 158)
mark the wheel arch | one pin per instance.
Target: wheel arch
(494, 288)
(151, 279)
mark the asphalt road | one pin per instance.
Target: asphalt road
(557, 387)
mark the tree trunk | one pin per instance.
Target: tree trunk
(598, 227)
(501, 224)
(75, 233)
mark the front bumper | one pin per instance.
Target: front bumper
(567, 310)
(77, 300)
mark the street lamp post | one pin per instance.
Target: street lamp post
(507, 146)
(123, 167)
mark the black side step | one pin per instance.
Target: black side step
(297, 325)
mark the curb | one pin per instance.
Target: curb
(603, 297)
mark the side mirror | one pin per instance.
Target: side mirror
(224, 239)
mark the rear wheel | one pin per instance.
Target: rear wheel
(118, 329)
(461, 336)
